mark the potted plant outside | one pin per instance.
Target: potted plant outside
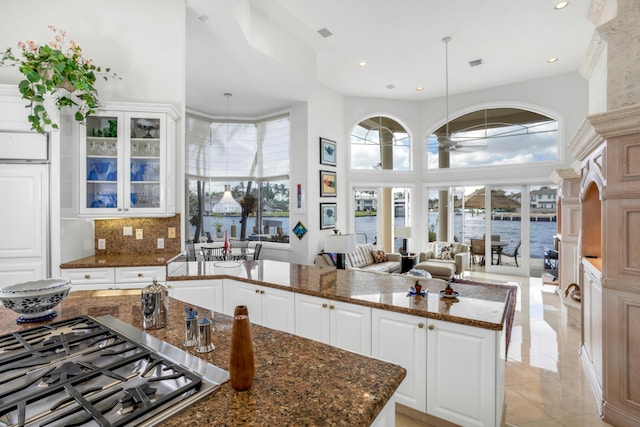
(218, 226)
(56, 69)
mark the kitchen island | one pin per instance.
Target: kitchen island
(486, 307)
(297, 381)
(454, 349)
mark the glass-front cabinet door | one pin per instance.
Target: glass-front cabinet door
(144, 153)
(123, 164)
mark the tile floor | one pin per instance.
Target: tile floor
(545, 383)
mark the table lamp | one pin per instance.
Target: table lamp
(404, 233)
(340, 244)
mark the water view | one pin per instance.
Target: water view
(541, 232)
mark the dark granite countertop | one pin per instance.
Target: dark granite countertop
(120, 260)
(297, 381)
(480, 305)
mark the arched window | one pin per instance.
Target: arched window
(493, 136)
(380, 143)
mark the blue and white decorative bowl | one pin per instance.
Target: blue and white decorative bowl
(34, 301)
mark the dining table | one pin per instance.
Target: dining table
(216, 253)
(496, 248)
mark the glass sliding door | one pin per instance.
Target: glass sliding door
(507, 218)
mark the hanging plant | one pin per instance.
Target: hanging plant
(57, 69)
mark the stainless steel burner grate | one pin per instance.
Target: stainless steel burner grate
(95, 372)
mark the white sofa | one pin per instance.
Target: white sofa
(363, 259)
(444, 260)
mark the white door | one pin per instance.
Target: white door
(24, 189)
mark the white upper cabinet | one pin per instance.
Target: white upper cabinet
(127, 163)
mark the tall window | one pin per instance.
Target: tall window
(380, 143)
(495, 136)
(252, 159)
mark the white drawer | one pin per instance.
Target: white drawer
(140, 274)
(90, 276)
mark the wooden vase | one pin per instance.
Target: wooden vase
(241, 310)
(241, 364)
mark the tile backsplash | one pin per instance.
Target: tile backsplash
(113, 233)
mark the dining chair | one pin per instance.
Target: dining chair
(256, 254)
(477, 250)
(213, 254)
(190, 252)
(512, 254)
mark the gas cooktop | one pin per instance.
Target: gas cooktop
(97, 372)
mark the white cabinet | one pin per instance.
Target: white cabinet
(127, 162)
(83, 279)
(465, 374)
(139, 277)
(203, 293)
(267, 306)
(402, 339)
(342, 325)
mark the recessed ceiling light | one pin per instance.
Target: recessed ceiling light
(362, 64)
(419, 88)
(561, 5)
(552, 60)
(325, 33)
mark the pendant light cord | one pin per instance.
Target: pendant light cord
(227, 95)
(446, 41)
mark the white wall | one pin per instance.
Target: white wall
(142, 41)
(325, 120)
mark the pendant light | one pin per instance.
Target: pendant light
(227, 203)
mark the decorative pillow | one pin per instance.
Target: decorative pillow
(446, 253)
(379, 256)
(332, 256)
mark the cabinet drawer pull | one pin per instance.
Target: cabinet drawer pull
(120, 209)
(324, 305)
(140, 274)
(420, 325)
(87, 276)
(331, 307)
(431, 327)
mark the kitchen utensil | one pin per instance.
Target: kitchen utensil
(190, 327)
(205, 330)
(155, 306)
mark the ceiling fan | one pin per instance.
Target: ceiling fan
(449, 143)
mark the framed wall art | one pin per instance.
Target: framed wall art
(327, 215)
(300, 200)
(327, 152)
(328, 184)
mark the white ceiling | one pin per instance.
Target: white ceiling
(269, 55)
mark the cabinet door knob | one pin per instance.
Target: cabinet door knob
(262, 292)
(126, 209)
(120, 209)
(431, 327)
(87, 276)
(331, 307)
(420, 325)
(257, 291)
(139, 274)
(324, 305)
